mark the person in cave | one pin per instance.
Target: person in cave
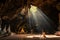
(15, 20)
(5, 24)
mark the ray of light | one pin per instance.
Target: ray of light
(38, 18)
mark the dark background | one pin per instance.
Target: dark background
(50, 7)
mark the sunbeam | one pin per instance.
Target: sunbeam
(39, 19)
